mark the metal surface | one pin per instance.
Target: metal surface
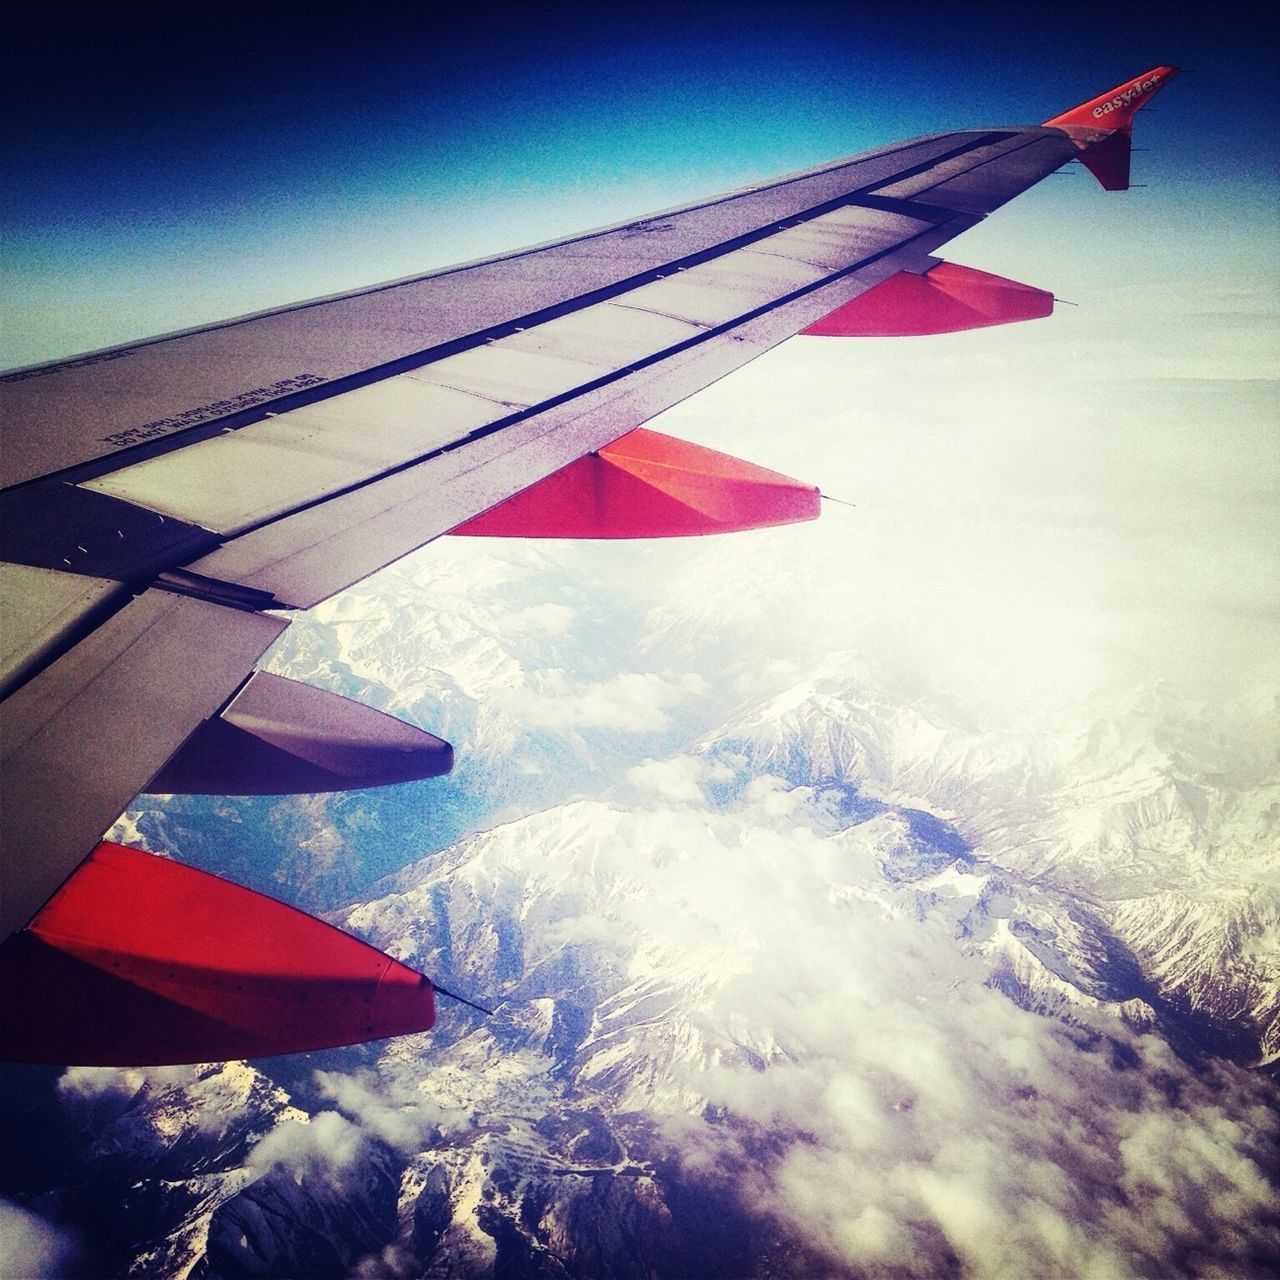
(279, 736)
(237, 480)
(43, 611)
(59, 415)
(315, 552)
(60, 526)
(82, 738)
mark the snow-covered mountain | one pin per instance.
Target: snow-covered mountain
(1138, 815)
(710, 1013)
(1172, 865)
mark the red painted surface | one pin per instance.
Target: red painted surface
(1108, 160)
(138, 960)
(1102, 127)
(945, 299)
(647, 485)
(1115, 109)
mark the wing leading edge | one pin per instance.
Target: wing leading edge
(167, 503)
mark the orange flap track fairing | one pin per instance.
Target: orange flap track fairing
(945, 299)
(647, 485)
(141, 961)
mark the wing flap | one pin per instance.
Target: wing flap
(838, 238)
(44, 610)
(610, 335)
(240, 479)
(510, 376)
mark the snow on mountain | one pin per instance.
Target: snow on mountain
(1178, 867)
(532, 675)
(801, 998)
(1135, 814)
(745, 1026)
(140, 1161)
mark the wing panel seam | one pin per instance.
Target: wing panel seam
(606, 379)
(116, 352)
(858, 198)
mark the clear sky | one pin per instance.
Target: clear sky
(166, 167)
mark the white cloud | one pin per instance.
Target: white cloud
(632, 702)
(93, 1082)
(921, 1116)
(676, 781)
(402, 1117)
(549, 618)
(327, 1143)
(32, 1248)
(1021, 538)
(888, 1107)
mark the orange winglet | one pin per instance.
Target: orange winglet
(1115, 109)
(141, 961)
(648, 485)
(1102, 127)
(945, 299)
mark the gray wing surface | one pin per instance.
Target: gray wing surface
(164, 501)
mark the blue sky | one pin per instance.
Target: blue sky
(173, 168)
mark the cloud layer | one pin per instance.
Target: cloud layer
(830, 1042)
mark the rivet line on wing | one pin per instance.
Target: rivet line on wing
(612, 376)
(859, 197)
(118, 352)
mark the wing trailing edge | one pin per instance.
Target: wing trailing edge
(141, 961)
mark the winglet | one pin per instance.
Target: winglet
(1102, 127)
(1115, 109)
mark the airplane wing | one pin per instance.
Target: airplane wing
(167, 504)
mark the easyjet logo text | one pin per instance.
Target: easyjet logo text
(1136, 90)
